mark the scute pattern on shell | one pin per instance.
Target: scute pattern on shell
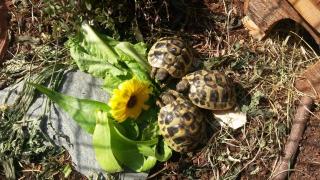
(171, 54)
(181, 124)
(210, 90)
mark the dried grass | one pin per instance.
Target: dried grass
(264, 73)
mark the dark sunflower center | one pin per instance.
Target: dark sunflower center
(132, 102)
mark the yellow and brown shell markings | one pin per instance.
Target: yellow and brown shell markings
(181, 124)
(208, 90)
(170, 56)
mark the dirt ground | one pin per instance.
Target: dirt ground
(206, 30)
(308, 160)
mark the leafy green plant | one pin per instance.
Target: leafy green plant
(112, 148)
(104, 57)
(134, 144)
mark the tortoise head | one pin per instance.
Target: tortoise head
(182, 86)
(159, 74)
(169, 96)
(166, 98)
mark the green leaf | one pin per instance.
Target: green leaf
(67, 171)
(99, 45)
(148, 122)
(79, 109)
(123, 138)
(102, 145)
(149, 163)
(128, 153)
(112, 82)
(135, 52)
(107, 58)
(124, 150)
(163, 151)
(136, 70)
(129, 128)
(134, 56)
(92, 64)
(150, 131)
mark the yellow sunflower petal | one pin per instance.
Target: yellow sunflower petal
(129, 99)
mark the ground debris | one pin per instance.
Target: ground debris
(263, 73)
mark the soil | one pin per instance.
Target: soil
(184, 166)
(30, 170)
(308, 160)
(307, 163)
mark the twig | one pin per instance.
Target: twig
(297, 130)
(157, 173)
(294, 170)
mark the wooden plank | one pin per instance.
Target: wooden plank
(309, 81)
(264, 14)
(309, 10)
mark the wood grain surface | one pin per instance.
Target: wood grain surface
(267, 13)
(309, 10)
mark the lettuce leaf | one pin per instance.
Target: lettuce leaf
(112, 82)
(99, 45)
(135, 53)
(136, 155)
(93, 64)
(134, 144)
(112, 146)
(101, 141)
(107, 58)
(79, 109)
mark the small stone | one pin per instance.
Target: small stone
(233, 119)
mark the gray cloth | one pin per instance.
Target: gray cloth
(65, 131)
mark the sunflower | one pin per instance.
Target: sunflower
(129, 99)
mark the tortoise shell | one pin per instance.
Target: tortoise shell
(171, 54)
(181, 124)
(209, 90)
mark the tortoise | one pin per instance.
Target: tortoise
(208, 90)
(181, 123)
(169, 56)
